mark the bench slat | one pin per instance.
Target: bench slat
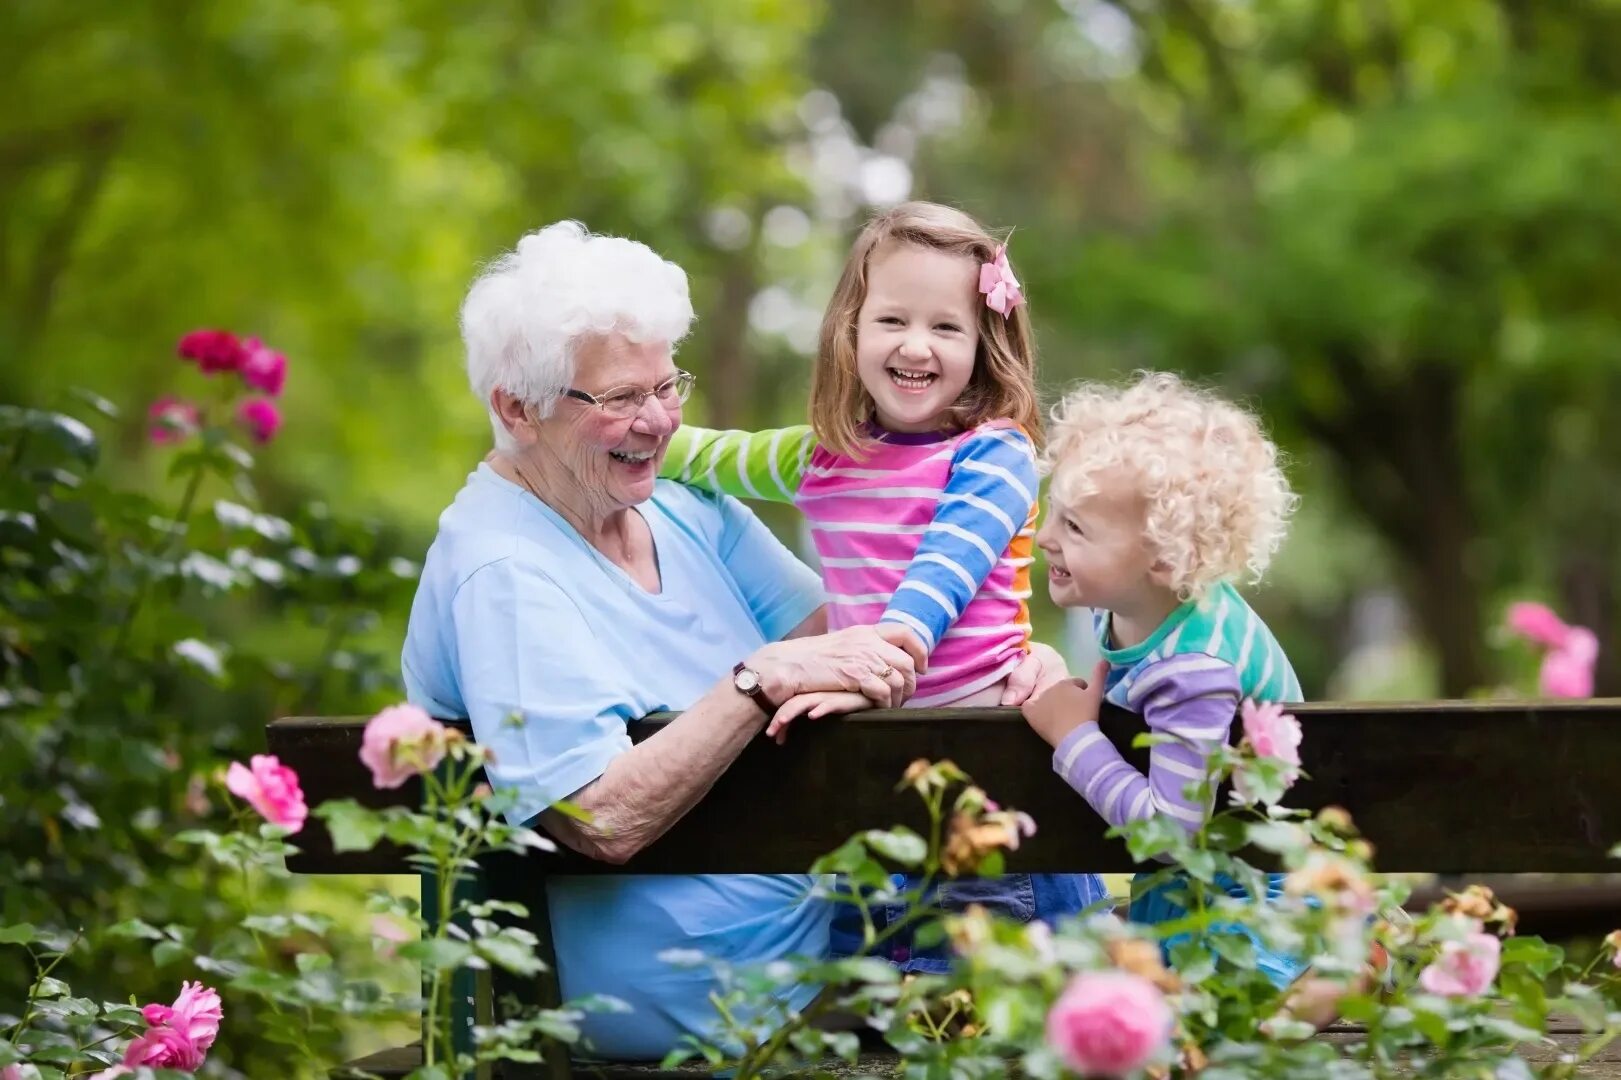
(1452, 787)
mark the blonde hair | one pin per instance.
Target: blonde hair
(1218, 504)
(1003, 385)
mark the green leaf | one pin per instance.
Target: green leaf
(9, 1055)
(1237, 949)
(511, 953)
(899, 844)
(353, 827)
(165, 953)
(134, 928)
(19, 934)
(119, 1013)
(1539, 957)
(1431, 1025)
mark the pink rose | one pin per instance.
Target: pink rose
(1567, 671)
(1109, 1023)
(172, 420)
(179, 1035)
(214, 350)
(1271, 732)
(1464, 968)
(1537, 622)
(399, 743)
(270, 788)
(264, 368)
(261, 417)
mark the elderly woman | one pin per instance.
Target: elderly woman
(567, 594)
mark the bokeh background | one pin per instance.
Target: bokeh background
(1392, 226)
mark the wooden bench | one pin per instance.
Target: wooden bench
(1452, 787)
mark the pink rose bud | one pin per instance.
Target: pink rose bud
(270, 788)
(1537, 622)
(1271, 732)
(172, 420)
(1464, 968)
(264, 368)
(213, 350)
(399, 743)
(261, 417)
(1109, 1023)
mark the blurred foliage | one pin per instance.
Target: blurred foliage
(1391, 225)
(123, 686)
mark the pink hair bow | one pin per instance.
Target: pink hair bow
(1567, 669)
(1000, 287)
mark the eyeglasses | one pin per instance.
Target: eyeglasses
(623, 402)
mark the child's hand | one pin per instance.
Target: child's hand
(1067, 705)
(1041, 667)
(814, 706)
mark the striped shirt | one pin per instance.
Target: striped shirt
(932, 531)
(1187, 681)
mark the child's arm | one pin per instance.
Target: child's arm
(1191, 696)
(764, 465)
(987, 500)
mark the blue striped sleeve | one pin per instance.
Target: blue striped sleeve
(987, 499)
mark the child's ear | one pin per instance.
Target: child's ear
(1159, 572)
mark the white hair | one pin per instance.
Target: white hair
(526, 315)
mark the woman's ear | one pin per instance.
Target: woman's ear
(515, 416)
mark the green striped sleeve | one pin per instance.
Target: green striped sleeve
(764, 465)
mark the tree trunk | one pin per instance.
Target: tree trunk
(728, 370)
(1397, 449)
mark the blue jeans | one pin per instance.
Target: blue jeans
(1156, 906)
(1020, 897)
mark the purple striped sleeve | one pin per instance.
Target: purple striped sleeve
(1191, 696)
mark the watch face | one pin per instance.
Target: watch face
(747, 681)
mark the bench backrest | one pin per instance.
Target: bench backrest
(1449, 787)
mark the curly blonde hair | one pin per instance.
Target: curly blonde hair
(1003, 385)
(1217, 501)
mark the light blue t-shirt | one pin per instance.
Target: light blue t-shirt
(517, 614)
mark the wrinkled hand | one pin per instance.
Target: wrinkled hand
(878, 662)
(814, 707)
(1042, 667)
(1066, 705)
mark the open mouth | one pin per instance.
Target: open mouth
(911, 380)
(1057, 573)
(631, 457)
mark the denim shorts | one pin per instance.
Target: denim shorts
(1156, 906)
(1020, 897)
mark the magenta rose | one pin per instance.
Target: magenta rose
(270, 788)
(1464, 968)
(261, 417)
(400, 742)
(213, 350)
(264, 368)
(1109, 1023)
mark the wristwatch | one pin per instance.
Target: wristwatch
(747, 681)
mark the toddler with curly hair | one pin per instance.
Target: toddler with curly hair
(1162, 495)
